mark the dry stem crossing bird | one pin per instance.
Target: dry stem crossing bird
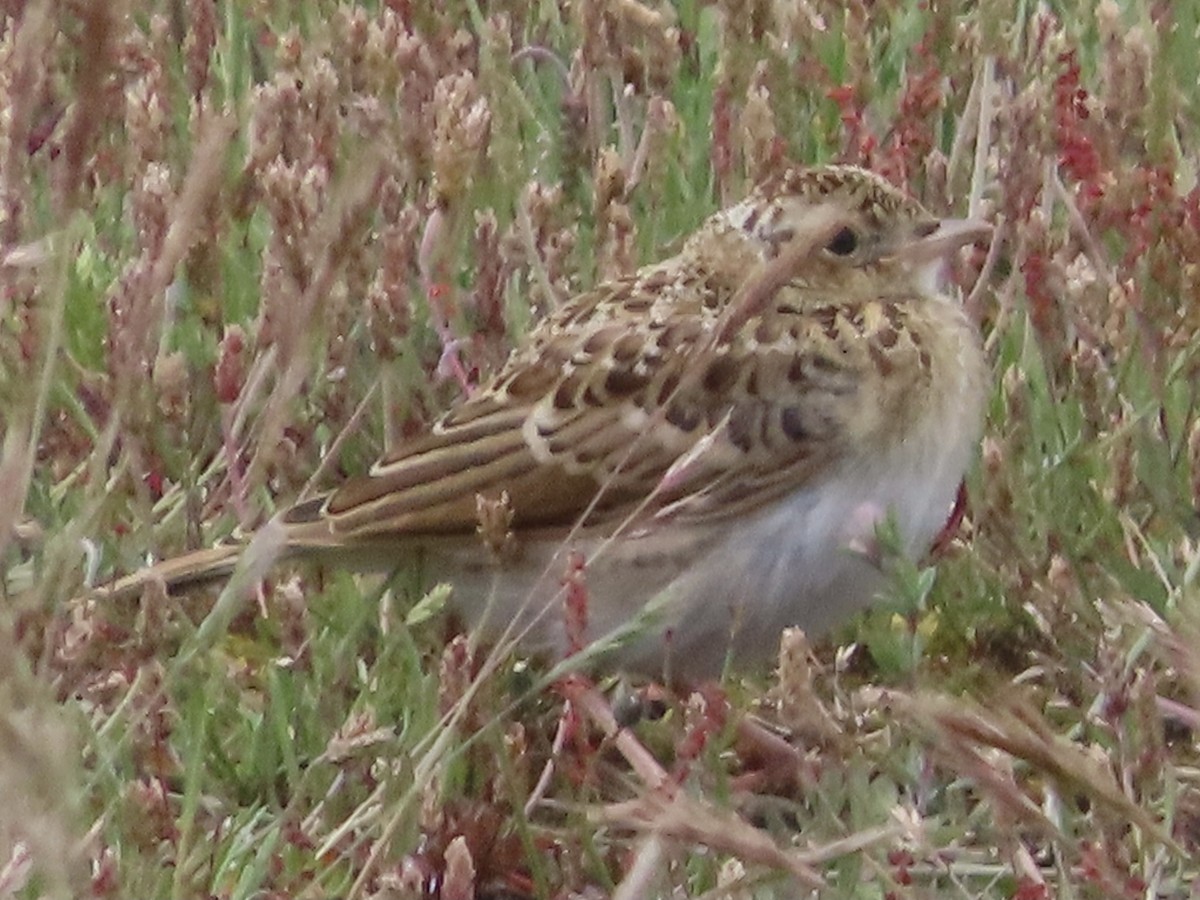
(716, 437)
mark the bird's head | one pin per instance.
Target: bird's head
(863, 231)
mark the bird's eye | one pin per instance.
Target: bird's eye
(844, 243)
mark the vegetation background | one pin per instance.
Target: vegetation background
(240, 237)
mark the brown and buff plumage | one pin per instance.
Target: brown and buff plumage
(715, 434)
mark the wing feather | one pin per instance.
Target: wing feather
(596, 416)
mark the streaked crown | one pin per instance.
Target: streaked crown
(879, 217)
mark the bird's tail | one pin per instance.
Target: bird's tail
(191, 569)
(296, 533)
(248, 559)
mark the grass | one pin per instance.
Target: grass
(235, 236)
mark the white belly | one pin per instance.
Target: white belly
(799, 563)
(733, 586)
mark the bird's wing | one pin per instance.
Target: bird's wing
(624, 406)
(804, 388)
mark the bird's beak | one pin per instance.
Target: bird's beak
(946, 236)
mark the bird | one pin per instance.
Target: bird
(698, 453)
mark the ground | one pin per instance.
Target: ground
(240, 238)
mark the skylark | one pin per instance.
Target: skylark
(706, 446)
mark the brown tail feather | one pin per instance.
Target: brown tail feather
(274, 542)
(196, 568)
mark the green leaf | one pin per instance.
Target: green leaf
(428, 606)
